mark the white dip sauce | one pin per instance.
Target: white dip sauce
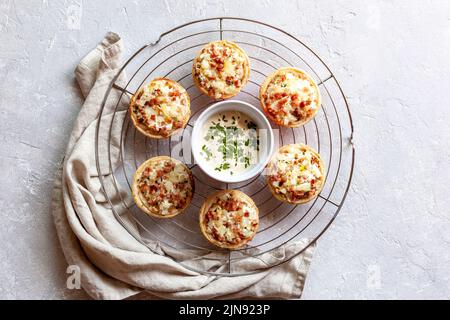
(230, 142)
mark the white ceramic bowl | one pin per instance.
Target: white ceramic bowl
(266, 143)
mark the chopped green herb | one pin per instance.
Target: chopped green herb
(223, 166)
(247, 162)
(207, 152)
(251, 125)
(232, 145)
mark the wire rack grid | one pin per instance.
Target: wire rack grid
(285, 230)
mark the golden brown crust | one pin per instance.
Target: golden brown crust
(244, 79)
(321, 167)
(236, 194)
(137, 194)
(147, 131)
(265, 85)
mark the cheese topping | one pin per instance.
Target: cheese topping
(165, 186)
(161, 106)
(295, 173)
(221, 69)
(231, 221)
(291, 97)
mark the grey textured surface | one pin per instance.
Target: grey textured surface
(392, 237)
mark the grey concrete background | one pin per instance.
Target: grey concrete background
(392, 237)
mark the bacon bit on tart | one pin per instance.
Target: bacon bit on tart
(165, 186)
(290, 97)
(230, 220)
(221, 69)
(295, 173)
(161, 107)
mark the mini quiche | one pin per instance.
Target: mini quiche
(162, 187)
(229, 219)
(295, 174)
(221, 69)
(290, 97)
(160, 108)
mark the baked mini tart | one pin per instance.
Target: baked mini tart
(163, 187)
(221, 69)
(296, 174)
(229, 219)
(290, 97)
(160, 108)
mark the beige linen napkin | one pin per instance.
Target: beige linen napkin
(113, 264)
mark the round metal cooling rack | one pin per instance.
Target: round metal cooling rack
(285, 230)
